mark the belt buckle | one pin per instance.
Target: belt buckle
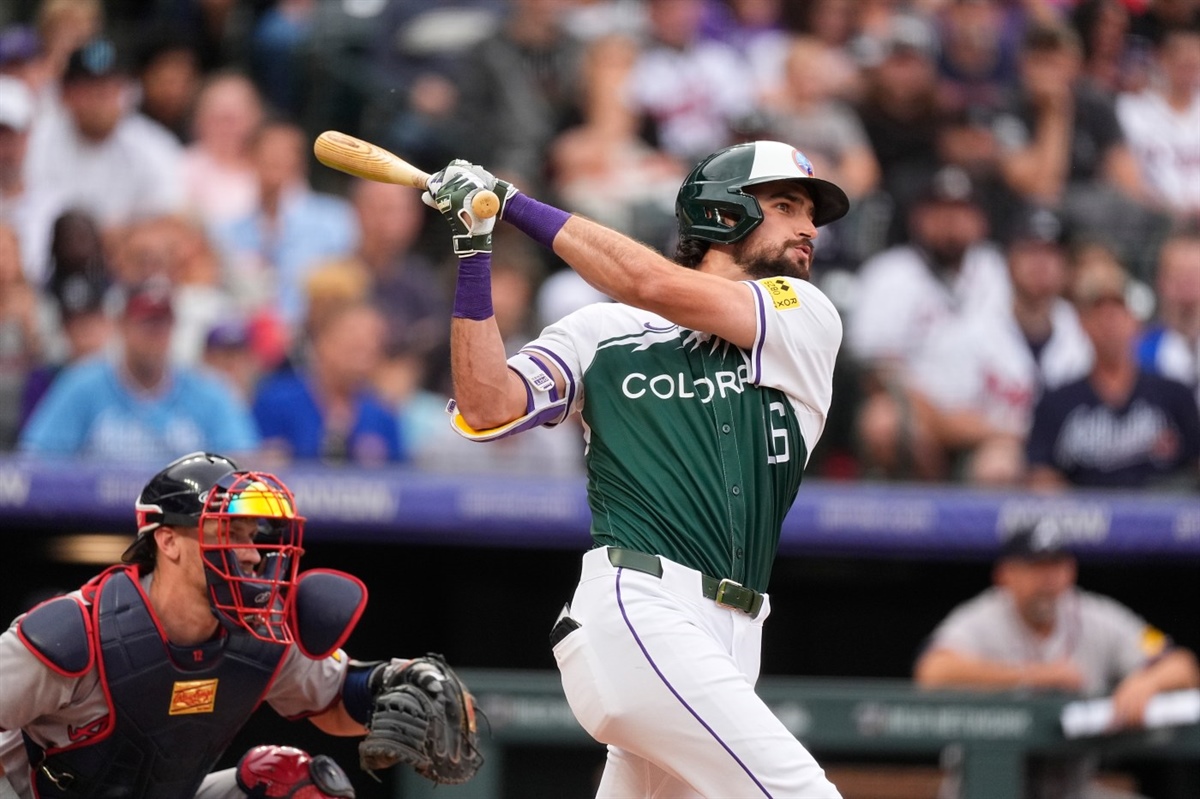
(720, 597)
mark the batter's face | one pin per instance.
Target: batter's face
(782, 244)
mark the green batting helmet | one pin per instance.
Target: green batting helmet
(712, 206)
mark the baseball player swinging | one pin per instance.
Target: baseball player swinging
(702, 391)
(134, 685)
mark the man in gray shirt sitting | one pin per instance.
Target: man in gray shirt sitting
(1034, 629)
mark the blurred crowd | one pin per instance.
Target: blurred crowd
(1019, 275)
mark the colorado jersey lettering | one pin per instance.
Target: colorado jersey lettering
(664, 395)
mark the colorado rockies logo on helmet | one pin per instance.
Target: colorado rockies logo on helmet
(802, 162)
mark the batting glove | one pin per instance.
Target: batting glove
(451, 191)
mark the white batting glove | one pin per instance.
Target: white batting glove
(451, 191)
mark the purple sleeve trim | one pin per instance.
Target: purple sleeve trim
(563, 368)
(542, 365)
(535, 219)
(528, 397)
(756, 367)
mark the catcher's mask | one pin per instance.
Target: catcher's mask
(250, 539)
(713, 206)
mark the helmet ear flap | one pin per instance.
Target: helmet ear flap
(715, 210)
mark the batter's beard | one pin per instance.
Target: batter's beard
(761, 263)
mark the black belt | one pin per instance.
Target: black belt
(725, 593)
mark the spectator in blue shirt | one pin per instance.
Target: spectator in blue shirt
(326, 408)
(270, 252)
(136, 404)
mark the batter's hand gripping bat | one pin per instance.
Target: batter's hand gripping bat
(370, 161)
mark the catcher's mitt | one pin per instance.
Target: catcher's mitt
(424, 716)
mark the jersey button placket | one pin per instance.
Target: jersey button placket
(737, 505)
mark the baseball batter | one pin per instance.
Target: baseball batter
(135, 684)
(702, 391)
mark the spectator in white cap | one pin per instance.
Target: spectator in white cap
(29, 209)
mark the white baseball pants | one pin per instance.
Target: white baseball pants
(666, 678)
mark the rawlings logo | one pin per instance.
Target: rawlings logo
(193, 696)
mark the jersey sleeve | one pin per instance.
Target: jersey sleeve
(563, 345)
(31, 688)
(796, 345)
(305, 687)
(1131, 642)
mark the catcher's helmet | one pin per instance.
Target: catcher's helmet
(176, 495)
(712, 206)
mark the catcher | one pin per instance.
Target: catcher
(135, 684)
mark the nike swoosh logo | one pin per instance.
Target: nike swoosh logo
(666, 329)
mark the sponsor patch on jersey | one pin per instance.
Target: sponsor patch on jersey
(193, 696)
(1153, 642)
(782, 294)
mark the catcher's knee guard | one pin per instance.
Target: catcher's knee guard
(267, 772)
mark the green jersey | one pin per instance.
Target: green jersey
(695, 447)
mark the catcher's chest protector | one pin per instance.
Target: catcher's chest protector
(168, 723)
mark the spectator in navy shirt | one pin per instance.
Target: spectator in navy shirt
(1118, 427)
(325, 409)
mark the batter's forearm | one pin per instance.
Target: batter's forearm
(613, 263)
(634, 274)
(487, 392)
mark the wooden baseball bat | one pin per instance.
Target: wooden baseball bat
(370, 161)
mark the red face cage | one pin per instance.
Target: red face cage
(251, 544)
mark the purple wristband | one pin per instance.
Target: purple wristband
(536, 220)
(473, 290)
